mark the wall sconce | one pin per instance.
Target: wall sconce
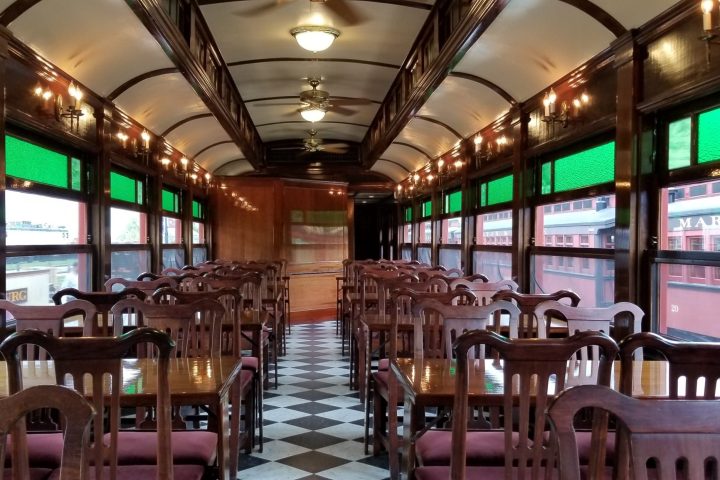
(73, 112)
(184, 163)
(123, 137)
(165, 162)
(710, 28)
(550, 114)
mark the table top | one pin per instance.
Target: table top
(375, 323)
(200, 380)
(432, 380)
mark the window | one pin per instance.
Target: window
(593, 166)
(680, 151)
(496, 192)
(584, 228)
(452, 202)
(584, 240)
(425, 233)
(494, 229)
(199, 243)
(451, 231)
(129, 236)
(426, 209)
(689, 223)
(408, 216)
(591, 278)
(51, 218)
(171, 231)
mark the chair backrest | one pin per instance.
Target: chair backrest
(446, 322)
(76, 415)
(229, 298)
(667, 439)
(590, 318)
(146, 286)
(530, 367)
(196, 328)
(483, 289)
(103, 302)
(87, 363)
(376, 288)
(528, 302)
(693, 367)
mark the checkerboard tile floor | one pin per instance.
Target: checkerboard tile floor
(313, 422)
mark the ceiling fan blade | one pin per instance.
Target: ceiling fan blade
(285, 104)
(335, 150)
(350, 101)
(287, 148)
(345, 11)
(263, 8)
(335, 145)
(342, 111)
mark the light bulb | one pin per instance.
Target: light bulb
(315, 38)
(312, 114)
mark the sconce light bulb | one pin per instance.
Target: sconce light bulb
(585, 98)
(184, 161)
(441, 164)
(552, 97)
(416, 177)
(208, 176)
(399, 188)
(707, 6)
(458, 164)
(478, 140)
(46, 95)
(145, 135)
(165, 162)
(38, 90)
(430, 178)
(577, 103)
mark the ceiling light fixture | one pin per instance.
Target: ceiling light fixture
(314, 38)
(312, 113)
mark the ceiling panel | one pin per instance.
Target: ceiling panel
(214, 157)
(532, 44)
(235, 168)
(406, 156)
(74, 35)
(160, 102)
(299, 130)
(193, 136)
(465, 105)
(391, 170)
(635, 13)
(429, 137)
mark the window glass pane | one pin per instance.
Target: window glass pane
(171, 230)
(426, 209)
(198, 210)
(679, 143)
(127, 226)
(75, 174)
(170, 201)
(40, 220)
(406, 253)
(500, 190)
(593, 220)
(708, 139)
(494, 265)
(453, 202)
(494, 228)
(408, 214)
(546, 180)
(129, 264)
(687, 298)
(593, 279)
(425, 232)
(583, 169)
(125, 188)
(425, 255)
(451, 231)
(198, 232)
(199, 255)
(450, 258)
(173, 258)
(32, 162)
(483, 194)
(407, 233)
(687, 222)
(33, 279)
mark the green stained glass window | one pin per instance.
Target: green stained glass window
(170, 201)
(546, 186)
(426, 209)
(408, 214)
(483, 194)
(500, 190)
(679, 143)
(198, 209)
(126, 189)
(583, 169)
(708, 139)
(32, 162)
(453, 202)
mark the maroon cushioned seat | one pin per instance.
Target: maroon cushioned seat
(35, 474)
(193, 447)
(584, 439)
(443, 473)
(484, 447)
(384, 364)
(381, 385)
(44, 449)
(250, 363)
(145, 472)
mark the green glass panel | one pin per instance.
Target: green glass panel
(123, 188)
(679, 143)
(590, 167)
(708, 138)
(408, 214)
(37, 164)
(140, 193)
(500, 190)
(483, 195)
(427, 208)
(453, 202)
(546, 180)
(170, 201)
(75, 174)
(198, 211)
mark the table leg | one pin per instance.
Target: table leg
(408, 451)
(225, 453)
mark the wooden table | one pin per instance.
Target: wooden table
(430, 382)
(193, 381)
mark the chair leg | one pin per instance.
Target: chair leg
(366, 438)
(259, 407)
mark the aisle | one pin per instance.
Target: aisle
(313, 422)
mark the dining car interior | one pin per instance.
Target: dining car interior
(359, 239)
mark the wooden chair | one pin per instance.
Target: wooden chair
(531, 368)
(667, 439)
(146, 286)
(483, 289)
(99, 358)
(103, 302)
(528, 302)
(591, 318)
(76, 414)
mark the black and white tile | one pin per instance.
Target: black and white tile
(313, 422)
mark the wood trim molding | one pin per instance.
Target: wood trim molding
(235, 160)
(15, 9)
(442, 124)
(414, 147)
(317, 123)
(394, 162)
(487, 83)
(184, 121)
(135, 80)
(308, 59)
(402, 3)
(204, 149)
(600, 15)
(297, 99)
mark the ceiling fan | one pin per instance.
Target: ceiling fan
(321, 99)
(313, 144)
(342, 8)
